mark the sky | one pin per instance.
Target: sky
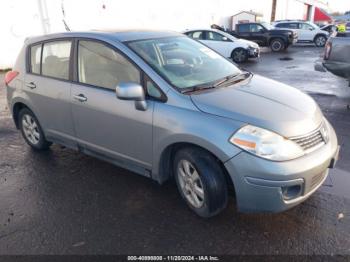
(339, 5)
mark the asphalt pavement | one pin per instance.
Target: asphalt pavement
(63, 202)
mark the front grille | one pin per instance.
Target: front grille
(311, 141)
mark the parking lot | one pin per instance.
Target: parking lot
(64, 202)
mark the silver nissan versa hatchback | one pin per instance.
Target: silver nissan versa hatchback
(164, 105)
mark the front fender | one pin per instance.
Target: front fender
(173, 125)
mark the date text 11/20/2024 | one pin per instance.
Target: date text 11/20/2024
(173, 258)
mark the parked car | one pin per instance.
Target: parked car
(336, 57)
(164, 105)
(266, 35)
(225, 44)
(307, 31)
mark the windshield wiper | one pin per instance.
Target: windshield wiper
(228, 79)
(196, 88)
(233, 79)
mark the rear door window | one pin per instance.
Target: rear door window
(35, 57)
(244, 28)
(288, 25)
(305, 26)
(55, 60)
(198, 35)
(293, 26)
(216, 36)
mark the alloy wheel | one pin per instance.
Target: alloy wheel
(276, 46)
(320, 41)
(30, 129)
(190, 183)
(239, 56)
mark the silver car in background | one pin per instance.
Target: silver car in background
(164, 105)
(336, 57)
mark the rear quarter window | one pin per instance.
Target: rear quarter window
(35, 57)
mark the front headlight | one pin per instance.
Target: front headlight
(266, 144)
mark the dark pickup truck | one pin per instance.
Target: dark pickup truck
(265, 34)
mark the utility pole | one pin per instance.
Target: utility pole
(273, 10)
(44, 16)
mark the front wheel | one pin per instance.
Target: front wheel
(277, 45)
(239, 55)
(200, 181)
(320, 41)
(31, 130)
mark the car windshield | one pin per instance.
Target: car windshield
(268, 26)
(314, 25)
(184, 62)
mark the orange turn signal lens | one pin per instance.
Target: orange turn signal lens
(244, 143)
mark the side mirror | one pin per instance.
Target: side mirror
(261, 30)
(224, 38)
(311, 29)
(132, 91)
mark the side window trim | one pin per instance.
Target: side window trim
(143, 75)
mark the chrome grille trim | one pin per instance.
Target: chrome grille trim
(311, 141)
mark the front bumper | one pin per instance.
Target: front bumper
(262, 185)
(253, 52)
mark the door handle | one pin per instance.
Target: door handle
(31, 85)
(80, 98)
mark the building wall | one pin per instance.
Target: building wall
(20, 19)
(242, 17)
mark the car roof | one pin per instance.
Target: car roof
(291, 21)
(201, 29)
(111, 34)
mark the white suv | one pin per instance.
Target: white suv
(307, 31)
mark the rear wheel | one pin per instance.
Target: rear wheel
(277, 45)
(31, 130)
(200, 181)
(239, 55)
(320, 41)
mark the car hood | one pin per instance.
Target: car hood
(248, 43)
(264, 103)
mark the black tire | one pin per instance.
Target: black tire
(211, 176)
(277, 45)
(42, 143)
(320, 40)
(239, 55)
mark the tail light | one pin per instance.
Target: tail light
(327, 50)
(10, 75)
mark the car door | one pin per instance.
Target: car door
(47, 86)
(106, 126)
(257, 34)
(219, 42)
(244, 31)
(306, 32)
